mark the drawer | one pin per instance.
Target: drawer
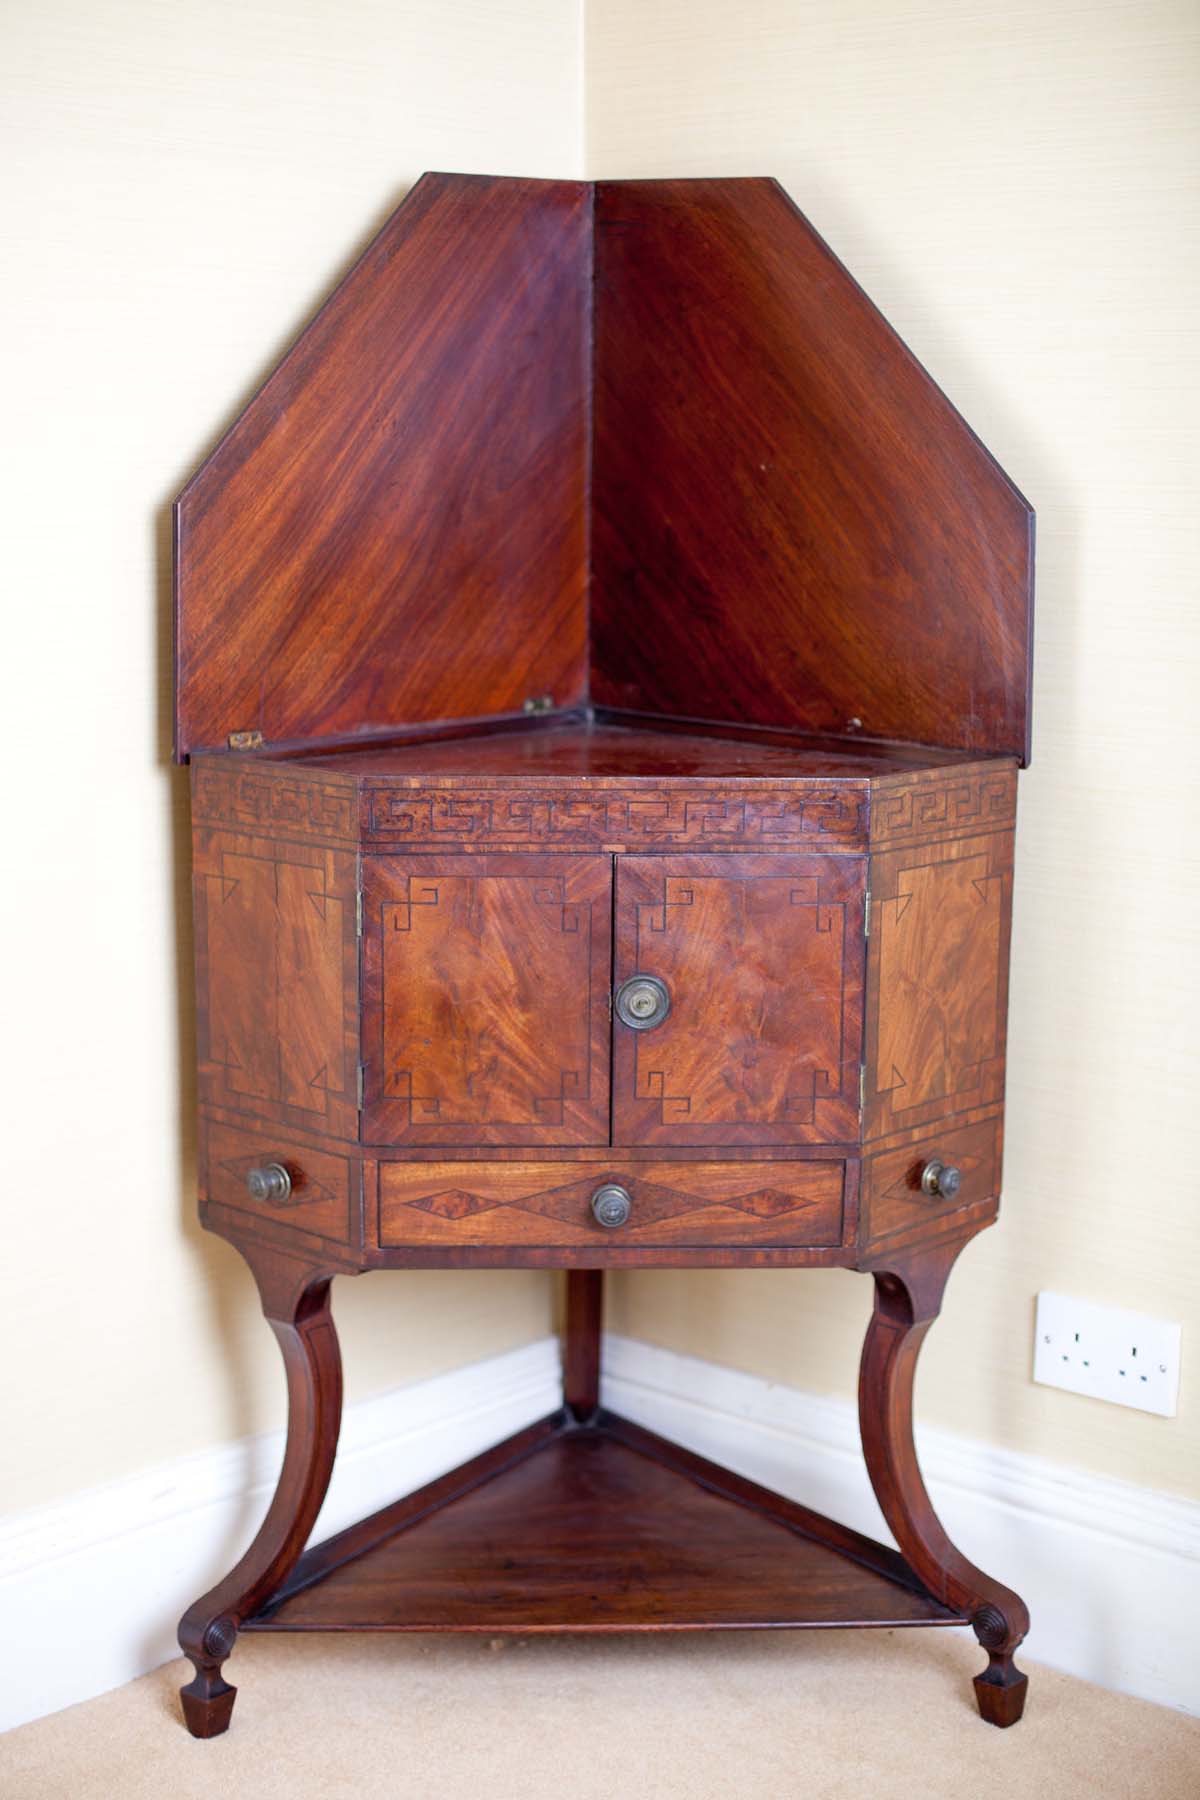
(549, 1204)
(321, 1186)
(893, 1201)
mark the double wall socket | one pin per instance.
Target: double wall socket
(1107, 1354)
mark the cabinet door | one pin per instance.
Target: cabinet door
(762, 960)
(485, 999)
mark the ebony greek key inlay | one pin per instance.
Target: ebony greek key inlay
(300, 808)
(930, 809)
(769, 818)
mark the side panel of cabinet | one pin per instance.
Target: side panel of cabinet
(277, 979)
(937, 980)
(763, 960)
(485, 999)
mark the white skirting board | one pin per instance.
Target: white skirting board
(1110, 1571)
(91, 1587)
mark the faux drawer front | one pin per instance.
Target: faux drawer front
(321, 1186)
(893, 1202)
(550, 1204)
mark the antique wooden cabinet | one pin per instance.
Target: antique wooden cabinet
(603, 659)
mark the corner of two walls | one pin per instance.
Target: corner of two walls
(962, 165)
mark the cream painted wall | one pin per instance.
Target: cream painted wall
(1018, 187)
(181, 185)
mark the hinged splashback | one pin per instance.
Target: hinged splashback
(665, 401)
(393, 532)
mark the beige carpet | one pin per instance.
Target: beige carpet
(815, 1715)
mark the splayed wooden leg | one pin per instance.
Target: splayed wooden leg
(295, 1297)
(908, 1297)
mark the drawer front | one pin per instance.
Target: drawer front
(321, 1184)
(893, 1200)
(549, 1204)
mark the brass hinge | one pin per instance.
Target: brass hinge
(362, 1076)
(867, 914)
(538, 703)
(358, 913)
(862, 1087)
(245, 740)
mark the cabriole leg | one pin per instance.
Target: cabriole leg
(295, 1298)
(908, 1297)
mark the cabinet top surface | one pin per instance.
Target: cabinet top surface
(578, 751)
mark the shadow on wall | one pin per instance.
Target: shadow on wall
(228, 1282)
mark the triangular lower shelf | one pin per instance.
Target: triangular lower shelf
(599, 1527)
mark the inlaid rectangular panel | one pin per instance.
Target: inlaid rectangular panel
(763, 959)
(937, 980)
(482, 1204)
(277, 979)
(485, 1004)
(324, 1186)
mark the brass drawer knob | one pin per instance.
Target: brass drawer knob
(940, 1180)
(643, 1002)
(271, 1183)
(611, 1205)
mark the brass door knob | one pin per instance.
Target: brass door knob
(642, 1002)
(612, 1205)
(270, 1183)
(940, 1180)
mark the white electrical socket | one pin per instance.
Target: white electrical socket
(1107, 1354)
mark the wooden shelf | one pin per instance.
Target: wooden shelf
(596, 1527)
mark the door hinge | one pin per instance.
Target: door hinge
(361, 1084)
(867, 913)
(246, 740)
(862, 1087)
(358, 913)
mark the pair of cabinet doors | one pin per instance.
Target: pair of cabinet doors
(488, 996)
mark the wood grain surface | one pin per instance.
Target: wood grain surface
(597, 1530)
(791, 525)
(937, 980)
(486, 988)
(277, 979)
(763, 960)
(394, 530)
(681, 1204)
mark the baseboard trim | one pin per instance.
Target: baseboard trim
(90, 1587)
(1110, 1571)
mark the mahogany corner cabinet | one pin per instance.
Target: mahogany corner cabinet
(602, 654)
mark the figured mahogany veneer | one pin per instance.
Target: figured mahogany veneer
(486, 986)
(763, 958)
(599, 590)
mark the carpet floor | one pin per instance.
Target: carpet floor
(819, 1715)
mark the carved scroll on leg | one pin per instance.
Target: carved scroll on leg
(908, 1296)
(295, 1297)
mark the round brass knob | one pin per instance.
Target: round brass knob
(941, 1180)
(270, 1183)
(643, 1002)
(611, 1205)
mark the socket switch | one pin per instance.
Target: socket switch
(1107, 1354)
